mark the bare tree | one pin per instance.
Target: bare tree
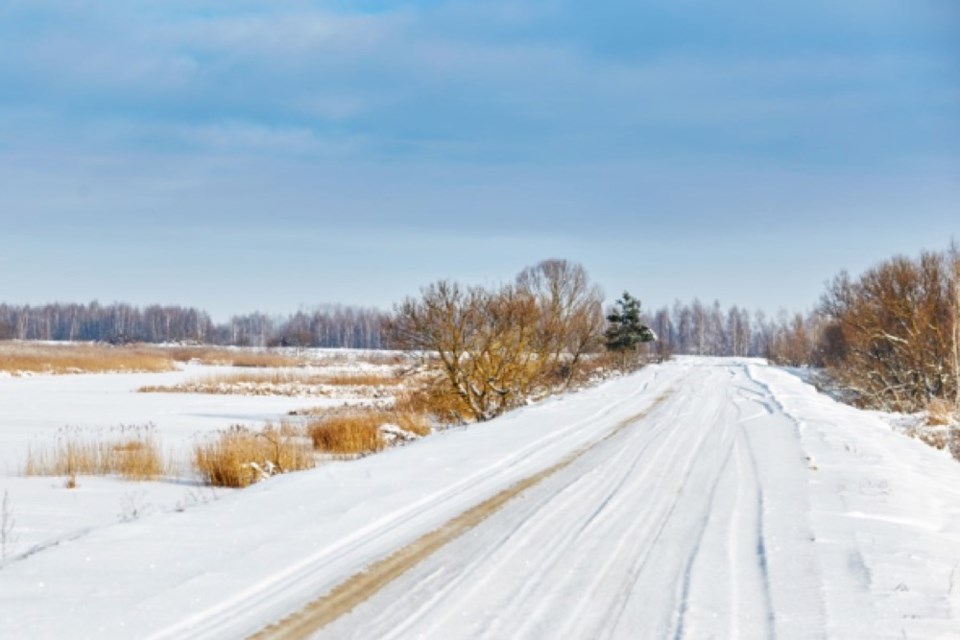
(484, 341)
(570, 314)
(496, 347)
(892, 340)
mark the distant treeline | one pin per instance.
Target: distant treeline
(327, 326)
(890, 337)
(696, 328)
(693, 328)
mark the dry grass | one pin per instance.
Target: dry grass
(940, 412)
(240, 457)
(25, 358)
(133, 453)
(234, 357)
(359, 432)
(282, 382)
(373, 357)
(347, 434)
(360, 380)
(434, 399)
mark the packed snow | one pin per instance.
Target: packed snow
(698, 498)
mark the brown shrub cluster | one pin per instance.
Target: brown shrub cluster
(893, 332)
(239, 456)
(494, 348)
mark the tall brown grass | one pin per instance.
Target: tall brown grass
(134, 453)
(279, 382)
(940, 412)
(433, 399)
(239, 456)
(358, 432)
(17, 358)
(234, 357)
(360, 380)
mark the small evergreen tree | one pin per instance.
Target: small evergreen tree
(626, 332)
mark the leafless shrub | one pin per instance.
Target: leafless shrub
(893, 334)
(494, 348)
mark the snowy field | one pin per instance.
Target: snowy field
(36, 410)
(697, 499)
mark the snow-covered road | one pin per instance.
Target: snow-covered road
(698, 499)
(689, 522)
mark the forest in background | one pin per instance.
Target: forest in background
(890, 337)
(333, 326)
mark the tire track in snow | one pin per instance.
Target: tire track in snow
(529, 528)
(619, 608)
(694, 554)
(360, 587)
(538, 531)
(540, 525)
(210, 622)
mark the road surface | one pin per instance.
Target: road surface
(702, 498)
(702, 516)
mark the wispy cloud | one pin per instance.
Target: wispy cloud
(452, 79)
(453, 120)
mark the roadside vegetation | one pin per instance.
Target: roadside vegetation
(888, 340)
(131, 452)
(490, 350)
(241, 456)
(356, 432)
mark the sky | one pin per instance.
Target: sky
(275, 155)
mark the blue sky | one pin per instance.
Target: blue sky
(240, 155)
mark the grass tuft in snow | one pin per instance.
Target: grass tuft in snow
(359, 432)
(133, 452)
(239, 456)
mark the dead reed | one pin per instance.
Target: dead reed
(239, 456)
(132, 452)
(25, 358)
(360, 432)
(234, 357)
(940, 412)
(282, 382)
